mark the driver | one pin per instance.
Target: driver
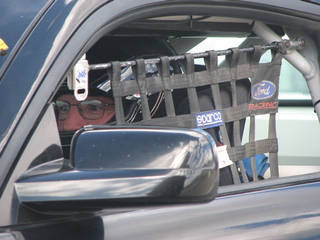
(73, 115)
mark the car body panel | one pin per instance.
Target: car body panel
(281, 213)
(255, 215)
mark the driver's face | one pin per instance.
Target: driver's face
(73, 115)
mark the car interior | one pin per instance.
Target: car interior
(153, 75)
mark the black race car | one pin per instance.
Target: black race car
(116, 124)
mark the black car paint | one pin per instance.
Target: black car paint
(269, 214)
(283, 213)
(22, 89)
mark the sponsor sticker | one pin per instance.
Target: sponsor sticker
(263, 90)
(3, 47)
(263, 106)
(223, 156)
(209, 119)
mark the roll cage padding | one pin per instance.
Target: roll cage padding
(212, 77)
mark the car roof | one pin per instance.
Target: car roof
(19, 16)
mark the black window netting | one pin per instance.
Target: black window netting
(239, 89)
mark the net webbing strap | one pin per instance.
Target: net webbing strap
(250, 149)
(181, 81)
(254, 152)
(211, 66)
(116, 84)
(273, 155)
(191, 90)
(233, 60)
(164, 68)
(140, 76)
(213, 76)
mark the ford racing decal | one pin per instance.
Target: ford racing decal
(209, 119)
(263, 106)
(263, 90)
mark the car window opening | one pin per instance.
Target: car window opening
(154, 85)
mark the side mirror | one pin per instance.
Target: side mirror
(126, 166)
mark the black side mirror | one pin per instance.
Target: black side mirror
(125, 166)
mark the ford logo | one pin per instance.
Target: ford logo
(263, 90)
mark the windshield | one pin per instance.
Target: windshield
(15, 18)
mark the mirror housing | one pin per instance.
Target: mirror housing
(126, 166)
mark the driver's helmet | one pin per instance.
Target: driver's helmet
(98, 108)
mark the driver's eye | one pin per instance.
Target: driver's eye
(62, 109)
(62, 106)
(91, 109)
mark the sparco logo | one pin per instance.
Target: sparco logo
(209, 119)
(263, 90)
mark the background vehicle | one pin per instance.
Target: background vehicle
(114, 191)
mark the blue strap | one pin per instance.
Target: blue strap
(261, 163)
